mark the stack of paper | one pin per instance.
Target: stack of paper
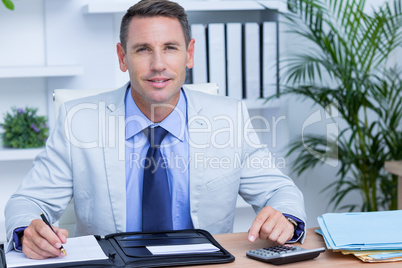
(376, 256)
(79, 249)
(370, 236)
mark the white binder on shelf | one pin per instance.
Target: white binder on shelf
(252, 61)
(200, 55)
(234, 60)
(217, 70)
(270, 59)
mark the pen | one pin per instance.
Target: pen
(48, 224)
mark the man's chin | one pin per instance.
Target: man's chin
(162, 99)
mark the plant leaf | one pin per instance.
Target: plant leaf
(9, 4)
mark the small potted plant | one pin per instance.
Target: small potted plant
(23, 128)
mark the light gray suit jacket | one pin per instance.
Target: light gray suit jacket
(84, 158)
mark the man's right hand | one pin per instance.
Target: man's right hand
(40, 242)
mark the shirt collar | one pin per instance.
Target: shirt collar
(175, 123)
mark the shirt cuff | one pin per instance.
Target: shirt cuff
(299, 230)
(17, 235)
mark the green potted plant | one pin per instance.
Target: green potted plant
(348, 68)
(23, 128)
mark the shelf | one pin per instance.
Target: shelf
(122, 6)
(18, 154)
(279, 5)
(40, 71)
(221, 5)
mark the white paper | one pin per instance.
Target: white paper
(83, 248)
(181, 249)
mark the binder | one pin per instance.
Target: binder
(2, 257)
(128, 249)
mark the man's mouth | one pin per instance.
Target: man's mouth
(159, 81)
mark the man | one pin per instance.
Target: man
(98, 151)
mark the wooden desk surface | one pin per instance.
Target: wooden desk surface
(237, 244)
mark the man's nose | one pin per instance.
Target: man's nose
(158, 62)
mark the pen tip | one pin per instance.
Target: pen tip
(64, 251)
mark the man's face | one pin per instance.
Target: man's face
(156, 58)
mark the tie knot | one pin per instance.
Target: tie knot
(155, 135)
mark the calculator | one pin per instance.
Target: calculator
(284, 254)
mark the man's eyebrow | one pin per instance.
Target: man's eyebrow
(172, 43)
(169, 43)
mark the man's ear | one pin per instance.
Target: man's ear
(122, 57)
(190, 54)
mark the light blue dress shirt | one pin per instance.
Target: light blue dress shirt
(175, 151)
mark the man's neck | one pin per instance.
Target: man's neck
(156, 112)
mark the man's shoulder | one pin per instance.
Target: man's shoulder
(112, 96)
(208, 99)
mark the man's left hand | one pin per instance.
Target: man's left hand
(272, 225)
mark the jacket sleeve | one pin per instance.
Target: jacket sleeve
(47, 188)
(262, 184)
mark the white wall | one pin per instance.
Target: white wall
(47, 32)
(43, 32)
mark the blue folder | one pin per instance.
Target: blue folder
(362, 230)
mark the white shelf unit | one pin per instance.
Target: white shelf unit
(7, 154)
(40, 71)
(122, 6)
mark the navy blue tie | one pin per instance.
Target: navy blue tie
(156, 201)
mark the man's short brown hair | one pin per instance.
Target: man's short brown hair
(153, 8)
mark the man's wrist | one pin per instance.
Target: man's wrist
(292, 221)
(17, 238)
(299, 227)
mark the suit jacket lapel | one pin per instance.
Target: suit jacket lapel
(114, 153)
(198, 141)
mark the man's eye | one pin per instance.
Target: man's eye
(141, 49)
(171, 48)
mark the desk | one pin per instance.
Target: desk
(237, 244)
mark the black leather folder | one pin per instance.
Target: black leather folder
(2, 257)
(130, 250)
